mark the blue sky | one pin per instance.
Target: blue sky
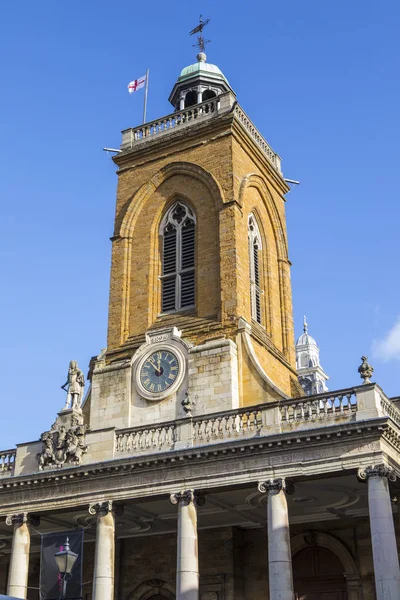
(321, 82)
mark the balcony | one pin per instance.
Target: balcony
(271, 424)
(199, 113)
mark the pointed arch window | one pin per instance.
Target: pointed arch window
(178, 258)
(255, 248)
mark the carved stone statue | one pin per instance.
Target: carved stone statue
(76, 385)
(188, 404)
(64, 444)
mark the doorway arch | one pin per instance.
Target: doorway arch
(326, 559)
(153, 589)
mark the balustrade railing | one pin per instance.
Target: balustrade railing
(257, 137)
(321, 406)
(260, 421)
(205, 109)
(227, 425)
(143, 439)
(7, 461)
(209, 108)
(391, 410)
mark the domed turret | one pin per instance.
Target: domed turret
(197, 83)
(312, 377)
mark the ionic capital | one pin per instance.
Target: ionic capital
(17, 519)
(280, 484)
(20, 518)
(103, 508)
(381, 470)
(187, 497)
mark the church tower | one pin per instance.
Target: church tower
(200, 310)
(312, 377)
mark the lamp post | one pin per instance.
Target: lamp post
(65, 560)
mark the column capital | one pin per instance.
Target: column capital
(381, 470)
(20, 518)
(276, 485)
(105, 507)
(187, 497)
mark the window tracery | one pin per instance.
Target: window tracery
(178, 258)
(255, 248)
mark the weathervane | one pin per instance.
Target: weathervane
(201, 42)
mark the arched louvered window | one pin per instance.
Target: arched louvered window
(255, 269)
(178, 268)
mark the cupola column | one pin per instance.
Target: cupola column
(199, 95)
(279, 555)
(182, 102)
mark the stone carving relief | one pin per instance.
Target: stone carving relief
(64, 444)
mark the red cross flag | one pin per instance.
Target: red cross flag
(136, 84)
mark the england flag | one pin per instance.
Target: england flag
(137, 84)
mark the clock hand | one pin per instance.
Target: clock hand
(153, 364)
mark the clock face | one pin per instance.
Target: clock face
(159, 371)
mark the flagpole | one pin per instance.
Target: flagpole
(145, 96)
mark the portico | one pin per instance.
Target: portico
(238, 512)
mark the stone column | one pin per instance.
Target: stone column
(104, 558)
(279, 554)
(187, 566)
(19, 563)
(384, 549)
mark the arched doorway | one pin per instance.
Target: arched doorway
(320, 539)
(318, 574)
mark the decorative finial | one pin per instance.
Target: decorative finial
(201, 42)
(365, 370)
(305, 325)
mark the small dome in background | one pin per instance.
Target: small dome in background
(312, 377)
(305, 339)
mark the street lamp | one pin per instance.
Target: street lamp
(65, 560)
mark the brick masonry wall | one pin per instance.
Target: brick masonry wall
(224, 178)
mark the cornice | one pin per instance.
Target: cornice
(228, 463)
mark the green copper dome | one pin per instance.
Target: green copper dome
(201, 67)
(197, 83)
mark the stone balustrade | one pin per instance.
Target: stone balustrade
(390, 409)
(257, 137)
(165, 124)
(259, 422)
(146, 438)
(319, 407)
(227, 425)
(194, 115)
(7, 461)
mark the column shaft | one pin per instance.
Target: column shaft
(103, 578)
(187, 567)
(384, 549)
(19, 563)
(279, 553)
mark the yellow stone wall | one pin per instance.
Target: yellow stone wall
(224, 177)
